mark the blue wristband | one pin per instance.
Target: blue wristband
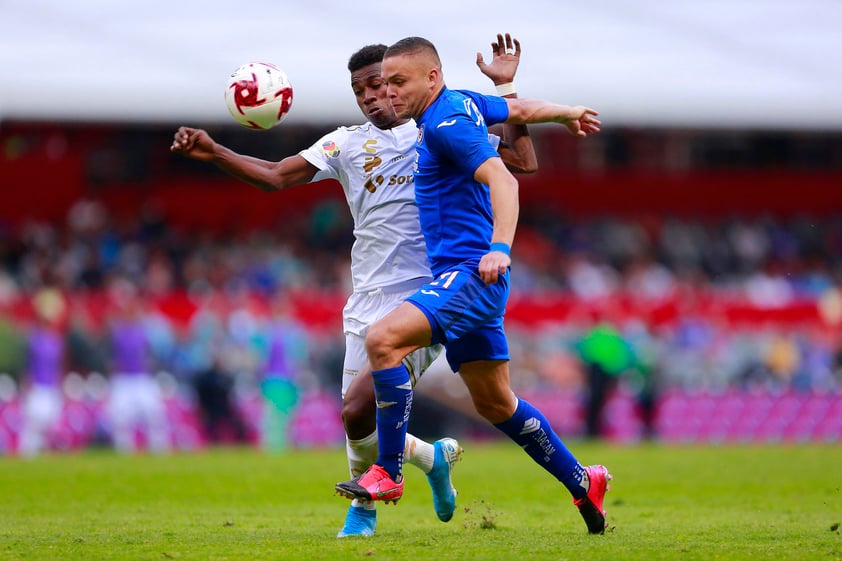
(501, 247)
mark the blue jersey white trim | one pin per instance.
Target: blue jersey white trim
(452, 143)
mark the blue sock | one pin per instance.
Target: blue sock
(531, 431)
(393, 392)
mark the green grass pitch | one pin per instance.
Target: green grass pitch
(667, 502)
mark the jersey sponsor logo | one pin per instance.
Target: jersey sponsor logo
(430, 293)
(330, 149)
(368, 146)
(372, 183)
(371, 162)
(446, 124)
(400, 179)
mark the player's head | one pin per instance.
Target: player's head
(370, 88)
(412, 70)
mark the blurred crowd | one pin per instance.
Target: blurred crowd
(94, 296)
(771, 261)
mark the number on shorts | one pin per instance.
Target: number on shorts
(446, 279)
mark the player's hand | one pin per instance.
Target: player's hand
(505, 56)
(193, 143)
(492, 265)
(583, 121)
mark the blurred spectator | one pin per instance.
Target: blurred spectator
(136, 401)
(221, 419)
(284, 367)
(606, 355)
(45, 367)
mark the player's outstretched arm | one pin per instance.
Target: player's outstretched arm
(505, 207)
(263, 174)
(516, 147)
(579, 120)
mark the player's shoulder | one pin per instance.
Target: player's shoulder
(455, 103)
(472, 95)
(363, 128)
(451, 110)
(334, 142)
(347, 131)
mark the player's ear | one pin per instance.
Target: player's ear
(432, 77)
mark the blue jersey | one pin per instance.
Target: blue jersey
(455, 209)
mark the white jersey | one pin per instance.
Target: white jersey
(374, 167)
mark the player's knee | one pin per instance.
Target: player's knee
(378, 345)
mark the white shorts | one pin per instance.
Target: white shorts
(135, 398)
(42, 407)
(361, 311)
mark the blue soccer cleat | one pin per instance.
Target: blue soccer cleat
(358, 522)
(448, 452)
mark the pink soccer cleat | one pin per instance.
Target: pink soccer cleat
(590, 506)
(374, 485)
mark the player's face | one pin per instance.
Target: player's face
(409, 84)
(370, 90)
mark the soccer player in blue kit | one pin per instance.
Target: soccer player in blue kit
(468, 208)
(388, 259)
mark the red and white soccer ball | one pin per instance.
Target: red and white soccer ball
(258, 95)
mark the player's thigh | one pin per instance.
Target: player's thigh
(402, 330)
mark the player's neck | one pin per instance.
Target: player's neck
(394, 124)
(434, 95)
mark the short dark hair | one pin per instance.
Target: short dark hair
(370, 54)
(409, 45)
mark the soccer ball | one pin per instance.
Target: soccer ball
(258, 95)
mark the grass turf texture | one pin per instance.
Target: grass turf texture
(688, 503)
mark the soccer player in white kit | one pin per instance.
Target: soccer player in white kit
(373, 163)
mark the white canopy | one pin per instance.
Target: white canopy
(703, 63)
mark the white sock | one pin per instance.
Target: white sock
(419, 453)
(361, 454)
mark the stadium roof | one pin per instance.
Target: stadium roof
(708, 63)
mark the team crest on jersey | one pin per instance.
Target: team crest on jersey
(330, 149)
(420, 134)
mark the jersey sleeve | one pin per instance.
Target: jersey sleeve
(325, 155)
(493, 108)
(464, 139)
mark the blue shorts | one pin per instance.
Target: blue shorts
(465, 314)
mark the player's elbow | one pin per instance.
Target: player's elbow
(521, 168)
(528, 165)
